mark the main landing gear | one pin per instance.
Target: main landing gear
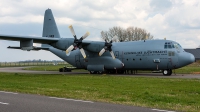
(167, 72)
(111, 71)
(65, 69)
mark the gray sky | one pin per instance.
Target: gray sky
(177, 20)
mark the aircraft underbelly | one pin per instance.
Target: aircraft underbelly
(107, 62)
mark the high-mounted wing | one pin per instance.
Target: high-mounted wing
(26, 42)
(43, 40)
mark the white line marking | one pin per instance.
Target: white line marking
(4, 103)
(162, 110)
(71, 100)
(7, 92)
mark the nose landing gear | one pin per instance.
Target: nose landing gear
(167, 72)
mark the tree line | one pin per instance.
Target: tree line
(129, 34)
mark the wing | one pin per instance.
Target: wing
(44, 40)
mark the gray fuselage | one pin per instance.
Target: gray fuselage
(134, 55)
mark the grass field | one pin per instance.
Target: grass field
(171, 94)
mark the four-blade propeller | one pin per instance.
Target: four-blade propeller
(107, 47)
(77, 42)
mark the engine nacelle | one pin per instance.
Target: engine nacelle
(26, 44)
(94, 46)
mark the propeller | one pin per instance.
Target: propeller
(107, 47)
(77, 42)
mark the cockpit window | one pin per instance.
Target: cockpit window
(168, 45)
(177, 46)
(165, 46)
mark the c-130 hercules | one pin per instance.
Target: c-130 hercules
(162, 55)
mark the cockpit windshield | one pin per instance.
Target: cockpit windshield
(172, 45)
(177, 46)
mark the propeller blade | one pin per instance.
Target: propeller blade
(101, 52)
(84, 36)
(69, 49)
(83, 52)
(72, 30)
(112, 54)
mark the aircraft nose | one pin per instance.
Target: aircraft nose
(186, 59)
(192, 58)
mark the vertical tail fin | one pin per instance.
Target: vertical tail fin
(49, 27)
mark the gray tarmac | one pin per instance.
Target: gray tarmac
(17, 102)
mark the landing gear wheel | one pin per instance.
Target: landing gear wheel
(167, 72)
(61, 70)
(100, 72)
(93, 72)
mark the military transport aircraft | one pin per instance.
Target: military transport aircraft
(99, 57)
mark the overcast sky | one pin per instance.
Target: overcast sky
(177, 20)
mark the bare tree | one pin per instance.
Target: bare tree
(129, 34)
(115, 31)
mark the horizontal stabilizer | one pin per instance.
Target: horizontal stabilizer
(13, 47)
(34, 48)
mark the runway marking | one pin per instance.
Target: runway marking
(4, 103)
(8, 92)
(71, 100)
(162, 110)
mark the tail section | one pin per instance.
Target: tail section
(50, 29)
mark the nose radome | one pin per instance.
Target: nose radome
(192, 58)
(189, 58)
(185, 59)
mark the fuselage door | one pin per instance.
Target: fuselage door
(172, 59)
